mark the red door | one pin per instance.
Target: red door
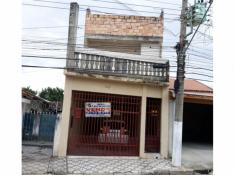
(152, 130)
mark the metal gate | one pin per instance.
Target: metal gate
(117, 135)
(38, 126)
(152, 130)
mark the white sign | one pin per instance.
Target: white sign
(98, 109)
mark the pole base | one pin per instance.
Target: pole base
(177, 143)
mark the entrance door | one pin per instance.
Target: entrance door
(97, 135)
(152, 130)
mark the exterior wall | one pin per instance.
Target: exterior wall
(151, 49)
(127, 34)
(123, 25)
(131, 47)
(25, 105)
(164, 123)
(114, 87)
(115, 46)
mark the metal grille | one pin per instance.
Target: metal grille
(152, 131)
(117, 135)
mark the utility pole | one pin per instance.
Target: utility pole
(72, 33)
(179, 89)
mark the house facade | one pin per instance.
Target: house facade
(116, 94)
(197, 114)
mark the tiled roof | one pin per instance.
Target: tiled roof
(192, 86)
(26, 94)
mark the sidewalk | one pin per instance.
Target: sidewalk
(100, 166)
(38, 160)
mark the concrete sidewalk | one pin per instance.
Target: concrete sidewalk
(197, 156)
(97, 166)
(113, 165)
(38, 160)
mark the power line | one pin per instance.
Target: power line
(62, 8)
(45, 27)
(107, 48)
(77, 59)
(199, 52)
(103, 45)
(198, 79)
(56, 2)
(164, 2)
(201, 56)
(83, 9)
(211, 1)
(196, 68)
(204, 34)
(112, 8)
(199, 74)
(196, 63)
(43, 45)
(56, 67)
(122, 48)
(201, 48)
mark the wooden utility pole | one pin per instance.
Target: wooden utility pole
(179, 89)
(72, 33)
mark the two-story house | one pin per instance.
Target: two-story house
(116, 90)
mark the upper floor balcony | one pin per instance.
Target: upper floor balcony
(105, 63)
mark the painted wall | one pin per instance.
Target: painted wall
(130, 47)
(114, 87)
(151, 49)
(25, 105)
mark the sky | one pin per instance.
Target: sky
(43, 26)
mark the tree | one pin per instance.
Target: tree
(52, 94)
(28, 88)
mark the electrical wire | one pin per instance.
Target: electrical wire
(55, 67)
(83, 9)
(206, 54)
(186, 73)
(198, 26)
(172, 58)
(56, 2)
(46, 27)
(77, 59)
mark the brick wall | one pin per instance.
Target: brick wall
(123, 25)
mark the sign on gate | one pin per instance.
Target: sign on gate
(100, 109)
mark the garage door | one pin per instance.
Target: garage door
(104, 124)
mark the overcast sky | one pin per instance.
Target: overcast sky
(200, 53)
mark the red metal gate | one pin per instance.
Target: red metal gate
(117, 135)
(152, 130)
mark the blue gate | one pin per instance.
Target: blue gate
(38, 126)
(47, 127)
(27, 129)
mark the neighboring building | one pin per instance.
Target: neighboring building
(33, 103)
(197, 114)
(38, 117)
(116, 98)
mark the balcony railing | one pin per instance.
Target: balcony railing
(118, 64)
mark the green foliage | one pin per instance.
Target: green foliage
(52, 94)
(28, 88)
